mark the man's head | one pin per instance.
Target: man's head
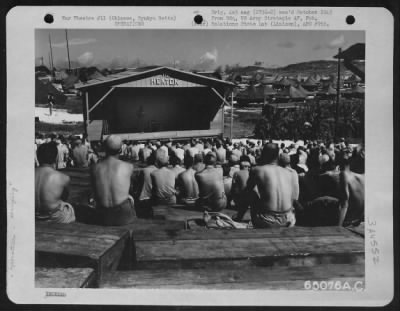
(245, 162)
(198, 158)
(151, 159)
(188, 161)
(113, 145)
(284, 159)
(270, 153)
(47, 153)
(161, 157)
(210, 159)
(175, 160)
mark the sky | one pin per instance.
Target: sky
(190, 49)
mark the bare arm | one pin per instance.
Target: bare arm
(251, 182)
(344, 198)
(296, 189)
(65, 194)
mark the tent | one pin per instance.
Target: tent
(42, 89)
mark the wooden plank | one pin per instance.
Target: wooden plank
(270, 250)
(360, 229)
(64, 277)
(244, 248)
(216, 234)
(246, 278)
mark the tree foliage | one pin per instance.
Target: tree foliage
(313, 120)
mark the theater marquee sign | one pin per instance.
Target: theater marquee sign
(164, 80)
(160, 81)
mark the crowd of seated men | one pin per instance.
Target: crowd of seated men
(308, 183)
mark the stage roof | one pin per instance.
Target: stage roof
(130, 76)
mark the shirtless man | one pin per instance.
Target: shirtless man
(221, 152)
(351, 190)
(278, 190)
(111, 181)
(239, 183)
(51, 188)
(163, 180)
(186, 184)
(143, 207)
(80, 154)
(211, 186)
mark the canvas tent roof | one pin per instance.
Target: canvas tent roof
(292, 92)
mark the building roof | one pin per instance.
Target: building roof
(129, 76)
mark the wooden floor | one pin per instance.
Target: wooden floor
(163, 253)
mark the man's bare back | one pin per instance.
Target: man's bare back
(111, 180)
(51, 188)
(351, 196)
(277, 187)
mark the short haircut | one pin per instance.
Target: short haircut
(151, 159)
(269, 153)
(198, 158)
(175, 160)
(47, 153)
(210, 159)
(188, 161)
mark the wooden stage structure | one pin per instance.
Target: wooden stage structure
(166, 253)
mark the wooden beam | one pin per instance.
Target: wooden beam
(101, 99)
(87, 107)
(220, 96)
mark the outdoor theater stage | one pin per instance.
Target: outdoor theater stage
(157, 103)
(167, 253)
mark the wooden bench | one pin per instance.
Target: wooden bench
(64, 278)
(292, 278)
(79, 245)
(297, 246)
(360, 229)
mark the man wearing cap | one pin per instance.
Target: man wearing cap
(111, 180)
(278, 189)
(163, 180)
(211, 186)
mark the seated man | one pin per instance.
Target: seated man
(80, 154)
(111, 181)
(211, 185)
(186, 184)
(239, 183)
(351, 192)
(176, 165)
(163, 180)
(278, 190)
(51, 188)
(143, 207)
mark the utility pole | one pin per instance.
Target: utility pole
(337, 94)
(51, 57)
(231, 134)
(69, 61)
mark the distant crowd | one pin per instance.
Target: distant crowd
(309, 183)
